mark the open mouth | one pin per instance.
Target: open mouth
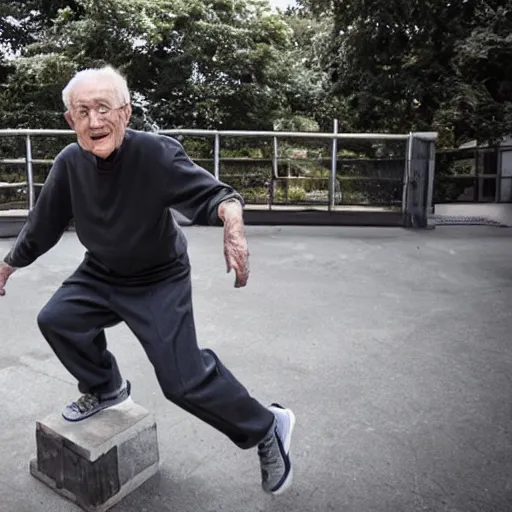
(99, 137)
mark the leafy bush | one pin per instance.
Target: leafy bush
(297, 194)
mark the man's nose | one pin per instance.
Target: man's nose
(95, 119)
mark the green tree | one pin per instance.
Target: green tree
(308, 95)
(194, 63)
(423, 65)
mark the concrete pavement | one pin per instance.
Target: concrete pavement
(393, 347)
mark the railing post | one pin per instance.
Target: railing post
(30, 174)
(216, 156)
(275, 172)
(334, 164)
(419, 182)
(407, 177)
(430, 180)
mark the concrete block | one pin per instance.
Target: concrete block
(97, 462)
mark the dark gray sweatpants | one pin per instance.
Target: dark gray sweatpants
(160, 315)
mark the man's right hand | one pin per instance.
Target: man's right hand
(5, 273)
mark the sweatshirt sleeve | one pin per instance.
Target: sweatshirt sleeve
(46, 221)
(192, 190)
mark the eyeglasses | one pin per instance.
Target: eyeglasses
(102, 111)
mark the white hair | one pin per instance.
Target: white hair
(108, 73)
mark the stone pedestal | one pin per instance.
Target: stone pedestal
(98, 461)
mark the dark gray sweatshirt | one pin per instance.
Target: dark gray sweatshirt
(120, 206)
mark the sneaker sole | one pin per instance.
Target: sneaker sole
(123, 397)
(287, 444)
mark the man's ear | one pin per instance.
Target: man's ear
(69, 119)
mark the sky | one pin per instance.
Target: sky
(281, 3)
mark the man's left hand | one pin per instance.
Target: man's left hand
(235, 244)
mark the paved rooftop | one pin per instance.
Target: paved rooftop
(393, 348)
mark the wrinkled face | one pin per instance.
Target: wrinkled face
(98, 116)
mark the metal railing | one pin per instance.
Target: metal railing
(334, 178)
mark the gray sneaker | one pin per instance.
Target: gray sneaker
(274, 452)
(91, 403)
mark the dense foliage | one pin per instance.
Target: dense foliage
(440, 65)
(376, 66)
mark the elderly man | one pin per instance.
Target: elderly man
(118, 184)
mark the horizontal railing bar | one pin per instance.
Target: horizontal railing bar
(340, 160)
(308, 135)
(22, 161)
(191, 132)
(343, 178)
(343, 160)
(391, 206)
(21, 184)
(239, 133)
(318, 178)
(232, 159)
(13, 161)
(468, 177)
(13, 185)
(8, 132)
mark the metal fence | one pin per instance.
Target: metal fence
(326, 170)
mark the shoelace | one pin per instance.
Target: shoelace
(86, 402)
(268, 451)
